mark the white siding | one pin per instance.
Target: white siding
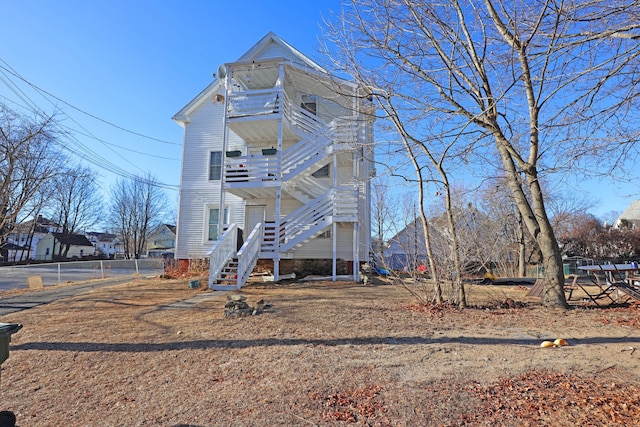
(273, 50)
(203, 134)
(328, 110)
(323, 248)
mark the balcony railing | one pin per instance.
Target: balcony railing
(254, 103)
(252, 170)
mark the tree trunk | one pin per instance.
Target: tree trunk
(458, 285)
(537, 222)
(522, 249)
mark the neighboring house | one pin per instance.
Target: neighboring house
(10, 252)
(49, 246)
(162, 241)
(630, 218)
(277, 147)
(407, 250)
(27, 235)
(105, 244)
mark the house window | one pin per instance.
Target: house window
(310, 103)
(214, 218)
(323, 172)
(325, 235)
(215, 165)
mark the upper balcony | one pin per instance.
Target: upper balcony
(254, 115)
(259, 95)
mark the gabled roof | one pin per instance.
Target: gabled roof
(632, 213)
(39, 225)
(13, 247)
(158, 229)
(182, 115)
(102, 237)
(295, 56)
(72, 239)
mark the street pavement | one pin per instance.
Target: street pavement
(33, 299)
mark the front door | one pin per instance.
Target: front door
(254, 215)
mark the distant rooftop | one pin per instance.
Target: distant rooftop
(631, 214)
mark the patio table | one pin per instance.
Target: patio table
(616, 276)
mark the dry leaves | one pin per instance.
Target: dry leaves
(326, 354)
(542, 397)
(360, 405)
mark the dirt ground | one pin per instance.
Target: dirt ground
(320, 353)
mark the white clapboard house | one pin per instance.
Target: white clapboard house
(281, 150)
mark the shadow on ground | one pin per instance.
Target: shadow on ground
(267, 342)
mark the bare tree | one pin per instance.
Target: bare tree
(137, 208)
(75, 202)
(384, 207)
(588, 238)
(28, 161)
(512, 247)
(535, 87)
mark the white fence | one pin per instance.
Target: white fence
(15, 277)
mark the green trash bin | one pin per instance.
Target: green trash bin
(6, 330)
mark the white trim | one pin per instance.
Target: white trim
(182, 116)
(207, 212)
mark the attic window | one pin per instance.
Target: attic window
(323, 172)
(310, 103)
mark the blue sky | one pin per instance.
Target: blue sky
(136, 63)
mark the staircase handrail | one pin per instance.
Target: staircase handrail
(306, 217)
(299, 117)
(222, 251)
(248, 254)
(340, 133)
(337, 204)
(345, 131)
(316, 144)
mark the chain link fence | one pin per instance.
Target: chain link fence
(17, 277)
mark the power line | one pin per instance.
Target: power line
(11, 71)
(79, 149)
(88, 135)
(70, 129)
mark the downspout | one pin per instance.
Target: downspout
(276, 261)
(334, 225)
(358, 168)
(180, 193)
(356, 225)
(225, 143)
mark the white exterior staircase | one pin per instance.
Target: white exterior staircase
(229, 269)
(291, 170)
